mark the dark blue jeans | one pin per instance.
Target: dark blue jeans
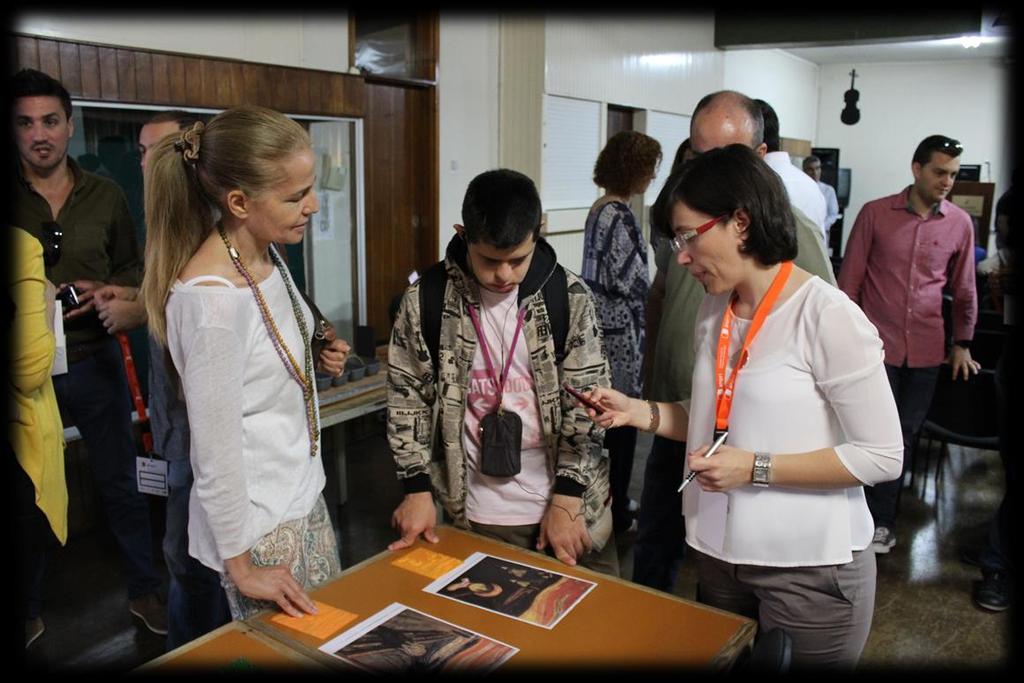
(913, 389)
(196, 603)
(34, 538)
(661, 536)
(94, 396)
(621, 445)
(996, 555)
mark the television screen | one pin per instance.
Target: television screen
(843, 187)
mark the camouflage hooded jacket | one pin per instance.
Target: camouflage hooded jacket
(435, 459)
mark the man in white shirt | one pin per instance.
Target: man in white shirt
(803, 192)
(812, 167)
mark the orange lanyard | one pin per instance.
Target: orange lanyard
(725, 388)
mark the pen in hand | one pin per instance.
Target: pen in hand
(714, 447)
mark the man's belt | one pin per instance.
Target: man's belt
(77, 352)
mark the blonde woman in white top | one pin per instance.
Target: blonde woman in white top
(219, 295)
(777, 514)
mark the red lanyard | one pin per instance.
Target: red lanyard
(499, 383)
(725, 389)
(136, 391)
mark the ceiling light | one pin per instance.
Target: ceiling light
(970, 41)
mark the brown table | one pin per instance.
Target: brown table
(235, 646)
(618, 624)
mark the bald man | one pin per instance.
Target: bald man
(722, 118)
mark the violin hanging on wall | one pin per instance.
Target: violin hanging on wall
(851, 114)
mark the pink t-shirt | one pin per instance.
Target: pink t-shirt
(521, 499)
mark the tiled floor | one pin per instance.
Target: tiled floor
(924, 617)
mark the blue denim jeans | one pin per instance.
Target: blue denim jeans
(34, 539)
(996, 555)
(196, 603)
(661, 536)
(94, 396)
(913, 389)
(621, 445)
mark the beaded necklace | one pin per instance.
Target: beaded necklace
(305, 381)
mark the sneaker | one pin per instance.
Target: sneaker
(152, 612)
(992, 592)
(883, 541)
(33, 629)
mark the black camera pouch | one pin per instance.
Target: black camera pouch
(501, 436)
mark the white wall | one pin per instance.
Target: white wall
(653, 62)
(467, 110)
(312, 41)
(787, 82)
(901, 104)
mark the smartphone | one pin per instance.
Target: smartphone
(68, 297)
(582, 399)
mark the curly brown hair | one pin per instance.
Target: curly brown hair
(626, 162)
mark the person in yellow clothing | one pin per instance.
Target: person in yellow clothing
(34, 427)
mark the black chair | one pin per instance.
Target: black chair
(962, 412)
(987, 346)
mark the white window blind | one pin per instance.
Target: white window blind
(572, 141)
(669, 130)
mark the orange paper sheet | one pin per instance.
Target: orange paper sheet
(427, 563)
(324, 624)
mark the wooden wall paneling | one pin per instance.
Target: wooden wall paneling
(223, 92)
(126, 75)
(161, 79)
(88, 56)
(115, 74)
(27, 52)
(237, 82)
(49, 58)
(208, 93)
(193, 81)
(144, 77)
(429, 182)
(176, 79)
(108, 73)
(425, 45)
(302, 93)
(252, 83)
(70, 68)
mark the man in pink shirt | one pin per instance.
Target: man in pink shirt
(903, 251)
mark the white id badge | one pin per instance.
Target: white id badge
(60, 354)
(151, 475)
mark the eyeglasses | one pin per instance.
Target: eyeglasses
(53, 236)
(950, 143)
(683, 239)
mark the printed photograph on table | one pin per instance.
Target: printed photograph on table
(536, 596)
(402, 639)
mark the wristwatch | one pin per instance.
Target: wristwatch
(762, 469)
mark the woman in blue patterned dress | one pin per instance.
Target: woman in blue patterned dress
(615, 268)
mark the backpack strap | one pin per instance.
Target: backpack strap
(556, 299)
(432, 286)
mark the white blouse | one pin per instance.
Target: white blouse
(249, 442)
(814, 379)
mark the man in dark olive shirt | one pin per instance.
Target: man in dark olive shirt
(88, 241)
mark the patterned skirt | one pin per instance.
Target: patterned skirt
(306, 546)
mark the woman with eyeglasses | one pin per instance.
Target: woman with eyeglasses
(790, 371)
(615, 268)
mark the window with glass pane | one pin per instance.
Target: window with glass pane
(326, 265)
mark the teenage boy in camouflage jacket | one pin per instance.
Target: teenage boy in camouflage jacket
(497, 264)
